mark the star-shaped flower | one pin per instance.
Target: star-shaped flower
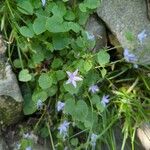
(105, 99)
(72, 78)
(60, 106)
(129, 57)
(141, 36)
(43, 3)
(63, 129)
(94, 88)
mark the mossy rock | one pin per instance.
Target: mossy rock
(10, 111)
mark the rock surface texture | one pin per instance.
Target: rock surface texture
(96, 27)
(125, 18)
(128, 21)
(10, 95)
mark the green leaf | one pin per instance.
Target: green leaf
(74, 26)
(91, 119)
(82, 7)
(71, 89)
(103, 57)
(95, 99)
(74, 141)
(69, 107)
(60, 41)
(59, 9)
(87, 65)
(37, 58)
(45, 81)
(78, 110)
(24, 75)
(25, 7)
(28, 105)
(57, 62)
(81, 110)
(70, 16)
(26, 31)
(17, 63)
(42, 95)
(55, 24)
(52, 90)
(60, 75)
(39, 25)
(92, 4)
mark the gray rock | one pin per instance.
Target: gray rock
(96, 27)
(3, 145)
(143, 134)
(128, 16)
(10, 95)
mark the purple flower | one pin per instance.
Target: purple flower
(141, 36)
(72, 78)
(63, 129)
(93, 140)
(105, 99)
(94, 88)
(43, 2)
(129, 57)
(28, 148)
(60, 106)
(39, 104)
(90, 36)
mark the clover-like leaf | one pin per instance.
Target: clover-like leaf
(39, 25)
(26, 31)
(24, 75)
(103, 57)
(45, 81)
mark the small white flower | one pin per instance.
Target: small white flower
(94, 88)
(141, 36)
(93, 140)
(105, 99)
(72, 78)
(28, 148)
(63, 129)
(39, 104)
(60, 106)
(90, 36)
(43, 3)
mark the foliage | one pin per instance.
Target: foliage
(50, 41)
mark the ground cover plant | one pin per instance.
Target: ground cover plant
(80, 97)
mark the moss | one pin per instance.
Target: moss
(10, 111)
